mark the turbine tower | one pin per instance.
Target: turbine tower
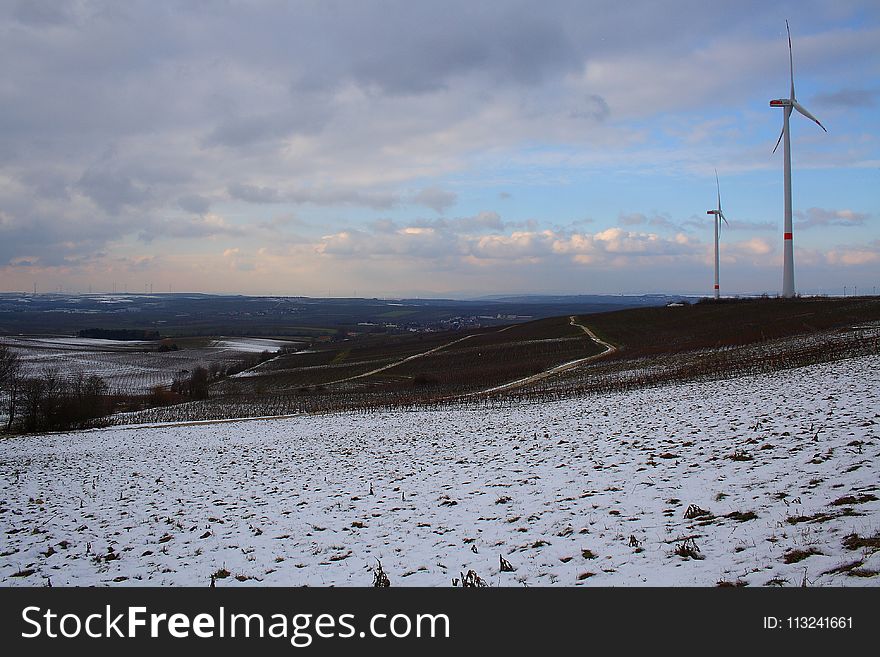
(788, 104)
(719, 217)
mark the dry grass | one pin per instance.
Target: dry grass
(868, 543)
(796, 555)
(852, 499)
(742, 516)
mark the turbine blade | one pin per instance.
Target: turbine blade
(803, 110)
(778, 141)
(790, 59)
(725, 219)
(718, 186)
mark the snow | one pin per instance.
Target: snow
(584, 491)
(253, 345)
(68, 342)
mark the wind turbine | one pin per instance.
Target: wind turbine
(788, 104)
(719, 217)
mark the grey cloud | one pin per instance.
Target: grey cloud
(112, 190)
(375, 200)
(140, 264)
(638, 219)
(244, 131)
(847, 98)
(41, 12)
(188, 228)
(512, 42)
(282, 221)
(253, 193)
(592, 107)
(632, 219)
(817, 217)
(436, 199)
(48, 184)
(738, 224)
(45, 241)
(194, 203)
(324, 197)
(480, 222)
(659, 221)
(384, 226)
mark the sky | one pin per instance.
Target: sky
(398, 148)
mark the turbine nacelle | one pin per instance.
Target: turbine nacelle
(781, 102)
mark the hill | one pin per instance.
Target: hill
(654, 345)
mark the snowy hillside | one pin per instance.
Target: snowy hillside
(757, 480)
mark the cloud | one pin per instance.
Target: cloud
(122, 124)
(245, 131)
(453, 241)
(41, 13)
(515, 246)
(204, 226)
(854, 256)
(656, 221)
(633, 219)
(48, 183)
(324, 197)
(480, 222)
(253, 193)
(749, 248)
(436, 199)
(847, 98)
(593, 107)
(112, 191)
(407, 242)
(820, 217)
(194, 203)
(750, 225)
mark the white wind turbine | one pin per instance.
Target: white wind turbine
(719, 217)
(789, 104)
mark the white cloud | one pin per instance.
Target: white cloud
(854, 256)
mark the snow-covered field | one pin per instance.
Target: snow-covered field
(253, 345)
(604, 490)
(130, 366)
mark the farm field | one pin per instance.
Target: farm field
(409, 369)
(130, 367)
(766, 480)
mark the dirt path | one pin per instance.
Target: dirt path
(399, 362)
(609, 348)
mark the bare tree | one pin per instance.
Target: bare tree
(10, 368)
(198, 383)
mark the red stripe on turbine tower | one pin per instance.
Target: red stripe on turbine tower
(717, 287)
(786, 236)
